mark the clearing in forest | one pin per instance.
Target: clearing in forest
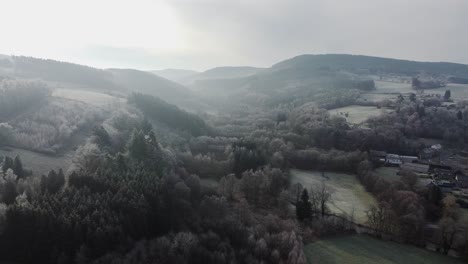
(348, 195)
(89, 97)
(357, 114)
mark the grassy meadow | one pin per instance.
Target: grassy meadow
(39, 163)
(357, 114)
(89, 97)
(348, 195)
(365, 249)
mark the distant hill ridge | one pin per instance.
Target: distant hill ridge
(121, 80)
(377, 64)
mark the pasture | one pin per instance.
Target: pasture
(357, 114)
(348, 196)
(365, 249)
(392, 87)
(458, 92)
(39, 163)
(89, 97)
(386, 90)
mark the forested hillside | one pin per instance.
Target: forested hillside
(375, 65)
(144, 82)
(171, 115)
(113, 81)
(17, 96)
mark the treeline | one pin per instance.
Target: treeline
(319, 129)
(364, 85)
(169, 114)
(424, 119)
(17, 96)
(459, 80)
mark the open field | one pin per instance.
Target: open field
(458, 92)
(89, 97)
(348, 194)
(388, 173)
(386, 90)
(40, 163)
(378, 97)
(358, 114)
(392, 87)
(365, 249)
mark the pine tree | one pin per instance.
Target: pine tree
(102, 137)
(18, 167)
(447, 95)
(137, 146)
(304, 207)
(8, 163)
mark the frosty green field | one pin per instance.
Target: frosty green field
(365, 249)
(89, 97)
(358, 114)
(348, 195)
(40, 163)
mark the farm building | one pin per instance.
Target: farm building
(397, 160)
(393, 160)
(408, 159)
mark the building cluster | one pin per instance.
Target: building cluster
(449, 173)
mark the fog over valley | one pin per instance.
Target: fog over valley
(233, 132)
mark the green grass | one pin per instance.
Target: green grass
(348, 195)
(388, 173)
(364, 249)
(357, 114)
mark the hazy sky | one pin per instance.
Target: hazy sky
(199, 34)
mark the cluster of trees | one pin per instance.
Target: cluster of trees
(404, 212)
(431, 84)
(417, 119)
(49, 128)
(401, 211)
(16, 96)
(364, 85)
(312, 202)
(127, 200)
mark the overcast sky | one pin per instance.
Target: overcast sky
(200, 34)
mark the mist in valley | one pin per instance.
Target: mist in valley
(233, 132)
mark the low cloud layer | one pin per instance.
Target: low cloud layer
(206, 33)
